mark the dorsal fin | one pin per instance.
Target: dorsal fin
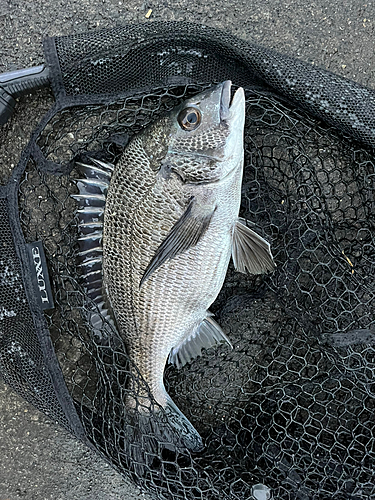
(92, 190)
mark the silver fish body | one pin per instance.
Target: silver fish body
(170, 227)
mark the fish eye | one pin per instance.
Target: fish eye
(189, 118)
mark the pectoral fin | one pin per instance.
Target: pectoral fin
(185, 234)
(250, 251)
(207, 335)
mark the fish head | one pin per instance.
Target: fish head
(206, 135)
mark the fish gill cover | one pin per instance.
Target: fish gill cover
(289, 411)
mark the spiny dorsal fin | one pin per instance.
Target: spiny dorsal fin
(250, 251)
(93, 172)
(107, 167)
(93, 187)
(185, 234)
(89, 215)
(208, 334)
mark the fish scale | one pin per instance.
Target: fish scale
(170, 227)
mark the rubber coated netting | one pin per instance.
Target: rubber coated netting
(289, 413)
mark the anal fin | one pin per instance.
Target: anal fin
(250, 252)
(208, 334)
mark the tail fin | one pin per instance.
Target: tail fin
(167, 426)
(163, 433)
(189, 436)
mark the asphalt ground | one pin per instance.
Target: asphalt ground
(39, 460)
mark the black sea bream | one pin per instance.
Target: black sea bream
(169, 229)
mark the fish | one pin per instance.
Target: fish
(157, 232)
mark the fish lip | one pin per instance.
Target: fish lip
(227, 108)
(225, 100)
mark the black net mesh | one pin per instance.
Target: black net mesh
(291, 407)
(22, 363)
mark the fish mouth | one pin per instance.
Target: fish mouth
(228, 109)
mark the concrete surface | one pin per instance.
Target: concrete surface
(38, 460)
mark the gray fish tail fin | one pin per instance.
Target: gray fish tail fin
(189, 436)
(158, 432)
(164, 428)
